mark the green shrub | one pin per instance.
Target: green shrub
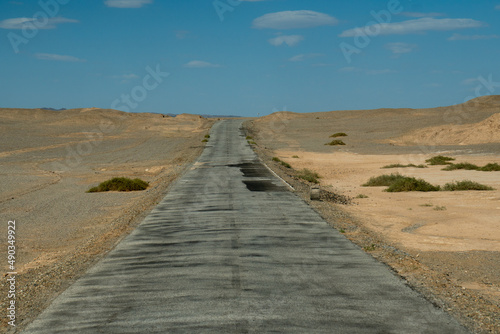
(439, 160)
(309, 175)
(207, 136)
(383, 180)
(361, 196)
(335, 142)
(411, 184)
(338, 134)
(295, 156)
(461, 165)
(276, 159)
(404, 166)
(204, 140)
(439, 208)
(249, 138)
(286, 164)
(465, 185)
(491, 167)
(120, 184)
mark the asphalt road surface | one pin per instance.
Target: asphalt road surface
(231, 250)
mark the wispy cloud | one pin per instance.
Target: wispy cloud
(419, 14)
(459, 37)
(24, 22)
(294, 20)
(200, 64)
(181, 34)
(469, 81)
(303, 57)
(56, 57)
(400, 48)
(125, 78)
(369, 72)
(497, 7)
(290, 40)
(413, 27)
(127, 3)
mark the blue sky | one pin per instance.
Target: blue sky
(248, 57)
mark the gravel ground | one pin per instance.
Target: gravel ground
(61, 230)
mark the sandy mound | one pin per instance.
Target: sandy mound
(487, 131)
(280, 116)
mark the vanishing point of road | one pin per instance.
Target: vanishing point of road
(231, 250)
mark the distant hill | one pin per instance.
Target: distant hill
(169, 114)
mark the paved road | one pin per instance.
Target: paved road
(231, 250)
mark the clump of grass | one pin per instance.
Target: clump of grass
(295, 156)
(338, 134)
(405, 184)
(120, 184)
(309, 175)
(465, 185)
(439, 160)
(383, 180)
(249, 138)
(491, 167)
(207, 136)
(404, 166)
(286, 164)
(426, 205)
(439, 208)
(361, 196)
(462, 165)
(342, 230)
(204, 140)
(335, 142)
(251, 142)
(283, 163)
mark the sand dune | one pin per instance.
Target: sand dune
(487, 131)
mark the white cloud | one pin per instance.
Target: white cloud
(400, 48)
(294, 20)
(369, 72)
(419, 14)
(349, 69)
(200, 64)
(413, 27)
(125, 78)
(127, 3)
(290, 40)
(303, 57)
(50, 56)
(22, 22)
(459, 37)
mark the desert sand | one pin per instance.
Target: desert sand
(49, 159)
(455, 234)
